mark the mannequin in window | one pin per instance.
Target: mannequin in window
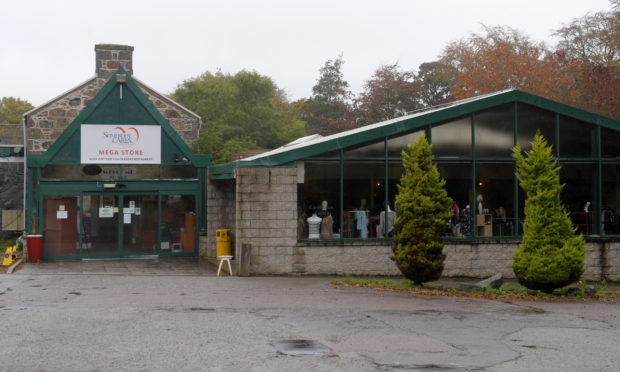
(455, 220)
(361, 218)
(363, 205)
(391, 216)
(466, 221)
(479, 200)
(327, 222)
(323, 211)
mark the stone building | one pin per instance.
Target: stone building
(349, 179)
(109, 169)
(110, 173)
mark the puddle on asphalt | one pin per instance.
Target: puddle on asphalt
(196, 309)
(427, 368)
(300, 347)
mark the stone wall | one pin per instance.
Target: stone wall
(220, 213)
(266, 218)
(344, 258)
(475, 259)
(485, 258)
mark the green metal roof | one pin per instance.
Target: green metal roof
(288, 154)
(134, 108)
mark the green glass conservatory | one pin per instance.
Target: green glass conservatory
(352, 176)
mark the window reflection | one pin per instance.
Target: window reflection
(397, 144)
(452, 139)
(531, 119)
(495, 132)
(373, 150)
(577, 138)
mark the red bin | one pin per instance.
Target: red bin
(35, 246)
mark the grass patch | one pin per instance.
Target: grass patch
(507, 291)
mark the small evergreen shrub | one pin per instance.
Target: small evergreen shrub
(550, 255)
(422, 209)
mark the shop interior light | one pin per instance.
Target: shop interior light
(109, 185)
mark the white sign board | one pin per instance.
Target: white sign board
(106, 212)
(120, 144)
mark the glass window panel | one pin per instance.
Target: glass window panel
(395, 172)
(127, 172)
(577, 138)
(373, 150)
(452, 139)
(318, 191)
(578, 192)
(110, 172)
(140, 171)
(495, 132)
(530, 119)
(610, 143)
(100, 225)
(60, 234)
(611, 199)
(397, 144)
(458, 185)
(178, 224)
(61, 171)
(495, 193)
(179, 171)
(364, 198)
(140, 224)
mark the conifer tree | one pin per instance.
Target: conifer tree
(422, 209)
(550, 255)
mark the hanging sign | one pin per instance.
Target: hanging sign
(120, 144)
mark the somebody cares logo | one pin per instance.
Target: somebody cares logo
(127, 136)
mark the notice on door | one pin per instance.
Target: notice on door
(106, 212)
(127, 218)
(120, 144)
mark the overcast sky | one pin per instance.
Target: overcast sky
(47, 47)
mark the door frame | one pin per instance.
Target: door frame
(139, 187)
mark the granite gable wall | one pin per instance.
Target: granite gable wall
(46, 123)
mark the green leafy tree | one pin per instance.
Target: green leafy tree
(595, 37)
(422, 209)
(435, 81)
(550, 255)
(391, 92)
(12, 109)
(239, 112)
(328, 110)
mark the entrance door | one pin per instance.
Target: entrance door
(100, 221)
(139, 215)
(119, 225)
